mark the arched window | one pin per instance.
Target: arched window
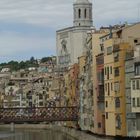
(79, 13)
(85, 13)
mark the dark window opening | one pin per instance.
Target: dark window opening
(106, 115)
(85, 13)
(117, 72)
(106, 104)
(79, 13)
(135, 41)
(99, 125)
(117, 102)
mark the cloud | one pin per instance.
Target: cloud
(27, 27)
(39, 12)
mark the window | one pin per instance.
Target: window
(117, 71)
(137, 69)
(138, 102)
(111, 86)
(111, 70)
(135, 41)
(133, 84)
(116, 87)
(79, 13)
(40, 103)
(134, 102)
(108, 89)
(106, 104)
(85, 13)
(90, 13)
(40, 97)
(137, 84)
(30, 104)
(99, 125)
(138, 124)
(105, 70)
(106, 115)
(116, 56)
(102, 47)
(117, 102)
(118, 122)
(47, 96)
(109, 50)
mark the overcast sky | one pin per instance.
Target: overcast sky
(28, 27)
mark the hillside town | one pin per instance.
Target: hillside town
(96, 70)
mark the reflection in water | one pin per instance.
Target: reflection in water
(36, 135)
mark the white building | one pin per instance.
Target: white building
(71, 41)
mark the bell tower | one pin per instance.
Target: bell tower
(82, 13)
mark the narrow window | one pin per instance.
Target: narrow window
(137, 85)
(106, 115)
(111, 70)
(117, 102)
(85, 13)
(79, 12)
(134, 102)
(133, 84)
(138, 102)
(108, 89)
(106, 104)
(117, 71)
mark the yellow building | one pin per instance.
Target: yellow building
(114, 81)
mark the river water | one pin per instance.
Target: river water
(34, 135)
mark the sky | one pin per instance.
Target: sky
(28, 27)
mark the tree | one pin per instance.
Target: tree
(32, 60)
(46, 59)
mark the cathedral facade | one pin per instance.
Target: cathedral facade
(71, 41)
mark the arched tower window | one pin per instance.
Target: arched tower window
(85, 13)
(79, 13)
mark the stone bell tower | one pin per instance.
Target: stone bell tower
(83, 13)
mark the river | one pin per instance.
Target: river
(34, 135)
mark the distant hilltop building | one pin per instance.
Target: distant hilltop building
(71, 40)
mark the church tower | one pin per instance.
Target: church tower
(83, 13)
